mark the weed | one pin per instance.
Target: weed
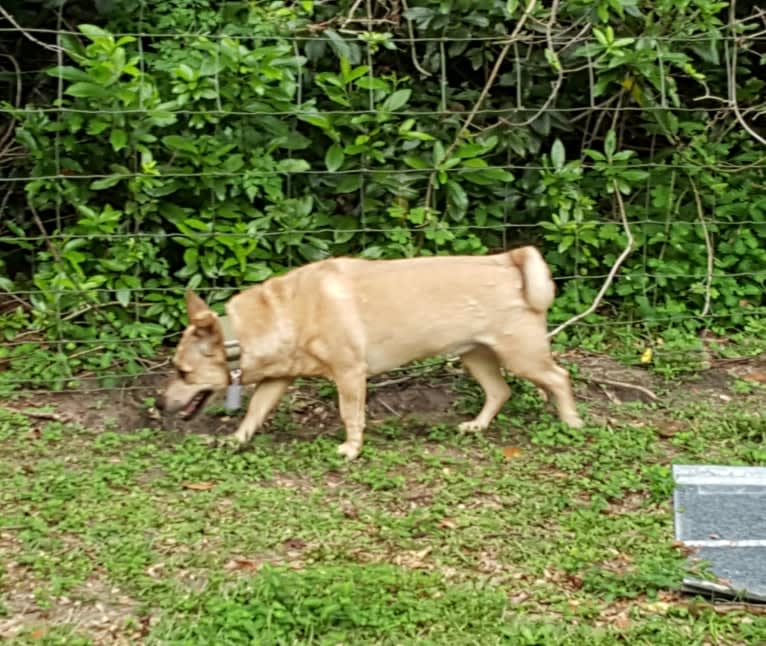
(430, 537)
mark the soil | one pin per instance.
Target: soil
(602, 382)
(309, 411)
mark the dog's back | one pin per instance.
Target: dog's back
(400, 310)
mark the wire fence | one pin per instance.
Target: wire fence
(74, 296)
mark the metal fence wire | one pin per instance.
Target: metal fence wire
(67, 324)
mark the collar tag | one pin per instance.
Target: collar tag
(234, 392)
(231, 343)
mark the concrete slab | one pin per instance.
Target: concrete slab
(720, 513)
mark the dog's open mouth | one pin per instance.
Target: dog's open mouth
(195, 405)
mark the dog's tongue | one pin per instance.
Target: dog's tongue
(190, 407)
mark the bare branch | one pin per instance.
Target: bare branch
(733, 75)
(708, 245)
(485, 91)
(411, 33)
(351, 12)
(612, 272)
(4, 141)
(27, 35)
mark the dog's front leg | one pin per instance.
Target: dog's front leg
(352, 394)
(266, 397)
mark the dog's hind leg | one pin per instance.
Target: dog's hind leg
(352, 395)
(266, 396)
(532, 360)
(483, 364)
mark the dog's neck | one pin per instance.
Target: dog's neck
(233, 350)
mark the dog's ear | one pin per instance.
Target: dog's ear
(200, 315)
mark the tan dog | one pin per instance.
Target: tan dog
(347, 319)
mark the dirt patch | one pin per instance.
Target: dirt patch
(416, 398)
(603, 382)
(310, 407)
(305, 406)
(101, 612)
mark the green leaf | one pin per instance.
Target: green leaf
(356, 73)
(118, 139)
(406, 126)
(232, 163)
(293, 165)
(185, 72)
(190, 256)
(123, 296)
(349, 183)
(318, 120)
(634, 175)
(438, 153)
(457, 200)
(345, 69)
(415, 162)
(105, 182)
(415, 135)
(180, 143)
(294, 141)
(475, 162)
(372, 83)
(487, 176)
(338, 44)
(552, 59)
(566, 242)
(93, 32)
(623, 155)
(610, 143)
(69, 73)
(558, 154)
(97, 126)
(469, 150)
(334, 158)
(397, 100)
(87, 89)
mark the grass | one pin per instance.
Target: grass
(530, 534)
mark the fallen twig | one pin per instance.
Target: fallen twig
(623, 384)
(53, 417)
(389, 408)
(612, 272)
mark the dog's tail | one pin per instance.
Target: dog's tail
(539, 289)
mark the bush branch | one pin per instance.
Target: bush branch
(612, 272)
(708, 246)
(484, 92)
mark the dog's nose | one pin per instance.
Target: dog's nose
(159, 404)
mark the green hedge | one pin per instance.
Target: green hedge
(219, 144)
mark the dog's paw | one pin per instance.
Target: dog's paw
(471, 427)
(349, 450)
(230, 443)
(241, 437)
(209, 439)
(574, 422)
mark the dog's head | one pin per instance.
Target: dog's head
(200, 362)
